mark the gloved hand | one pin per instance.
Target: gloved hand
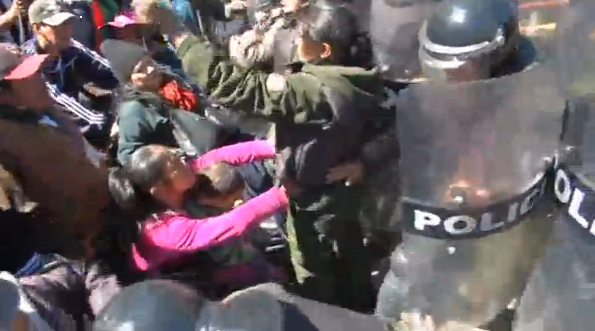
(159, 13)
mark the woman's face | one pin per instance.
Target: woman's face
(130, 33)
(177, 180)
(146, 75)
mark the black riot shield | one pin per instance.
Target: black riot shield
(561, 292)
(393, 28)
(473, 167)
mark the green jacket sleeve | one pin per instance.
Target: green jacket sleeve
(133, 129)
(248, 90)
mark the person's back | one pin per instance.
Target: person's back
(45, 152)
(54, 171)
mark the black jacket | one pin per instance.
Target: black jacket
(144, 118)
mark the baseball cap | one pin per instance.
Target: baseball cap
(14, 66)
(122, 20)
(160, 305)
(48, 12)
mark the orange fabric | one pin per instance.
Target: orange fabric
(179, 96)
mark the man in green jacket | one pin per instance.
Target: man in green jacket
(326, 240)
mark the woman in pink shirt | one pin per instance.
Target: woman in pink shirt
(155, 184)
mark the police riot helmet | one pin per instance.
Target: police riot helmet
(468, 39)
(392, 27)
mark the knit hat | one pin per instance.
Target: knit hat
(157, 305)
(123, 57)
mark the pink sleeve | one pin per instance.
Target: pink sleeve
(235, 154)
(183, 233)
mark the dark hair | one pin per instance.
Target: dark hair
(219, 180)
(128, 185)
(129, 92)
(334, 24)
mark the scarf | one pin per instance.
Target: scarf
(179, 96)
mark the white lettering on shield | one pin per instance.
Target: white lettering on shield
(489, 221)
(573, 196)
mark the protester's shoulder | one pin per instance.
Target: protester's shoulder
(354, 75)
(131, 109)
(337, 70)
(302, 82)
(76, 48)
(10, 130)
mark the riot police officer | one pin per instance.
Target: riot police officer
(467, 40)
(458, 40)
(560, 294)
(454, 138)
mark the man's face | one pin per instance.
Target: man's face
(58, 36)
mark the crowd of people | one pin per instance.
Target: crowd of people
(150, 166)
(154, 150)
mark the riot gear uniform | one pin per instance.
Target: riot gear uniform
(473, 204)
(560, 295)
